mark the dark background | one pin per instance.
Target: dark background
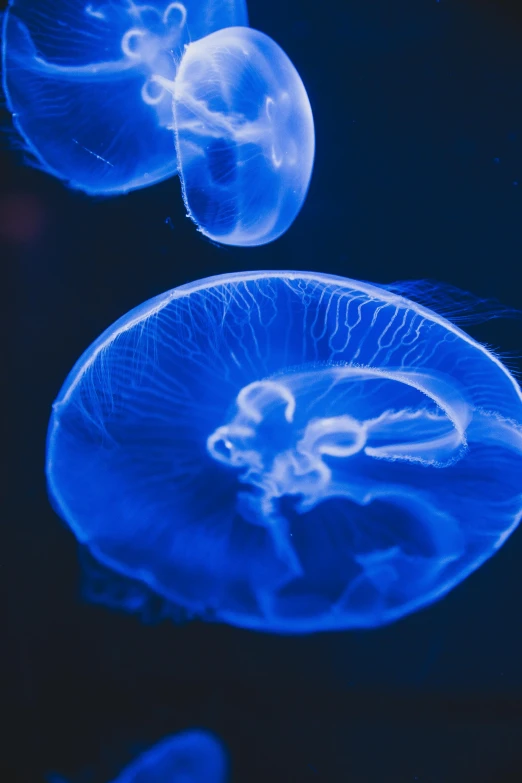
(418, 174)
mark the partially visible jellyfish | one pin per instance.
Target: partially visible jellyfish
(288, 451)
(79, 81)
(120, 99)
(245, 138)
(189, 757)
(192, 756)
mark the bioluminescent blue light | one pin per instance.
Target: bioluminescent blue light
(189, 757)
(192, 756)
(289, 451)
(79, 78)
(244, 136)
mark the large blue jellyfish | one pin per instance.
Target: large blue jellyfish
(79, 79)
(288, 451)
(192, 756)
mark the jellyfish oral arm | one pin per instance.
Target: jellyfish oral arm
(276, 455)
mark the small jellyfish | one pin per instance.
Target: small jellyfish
(288, 451)
(244, 136)
(192, 756)
(79, 79)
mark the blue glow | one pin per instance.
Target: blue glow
(289, 451)
(244, 136)
(193, 756)
(190, 757)
(79, 79)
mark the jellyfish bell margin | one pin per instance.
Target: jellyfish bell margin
(77, 78)
(288, 451)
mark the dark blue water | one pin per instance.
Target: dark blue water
(418, 174)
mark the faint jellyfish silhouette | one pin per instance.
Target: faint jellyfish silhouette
(190, 757)
(288, 451)
(245, 137)
(78, 81)
(193, 756)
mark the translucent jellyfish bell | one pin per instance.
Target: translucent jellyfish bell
(244, 136)
(192, 756)
(288, 451)
(78, 79)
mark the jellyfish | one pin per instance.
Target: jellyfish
(228, 111)
(189, 757)
(79, 79)
(244, 136)
(288, 451)
(192, 756)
